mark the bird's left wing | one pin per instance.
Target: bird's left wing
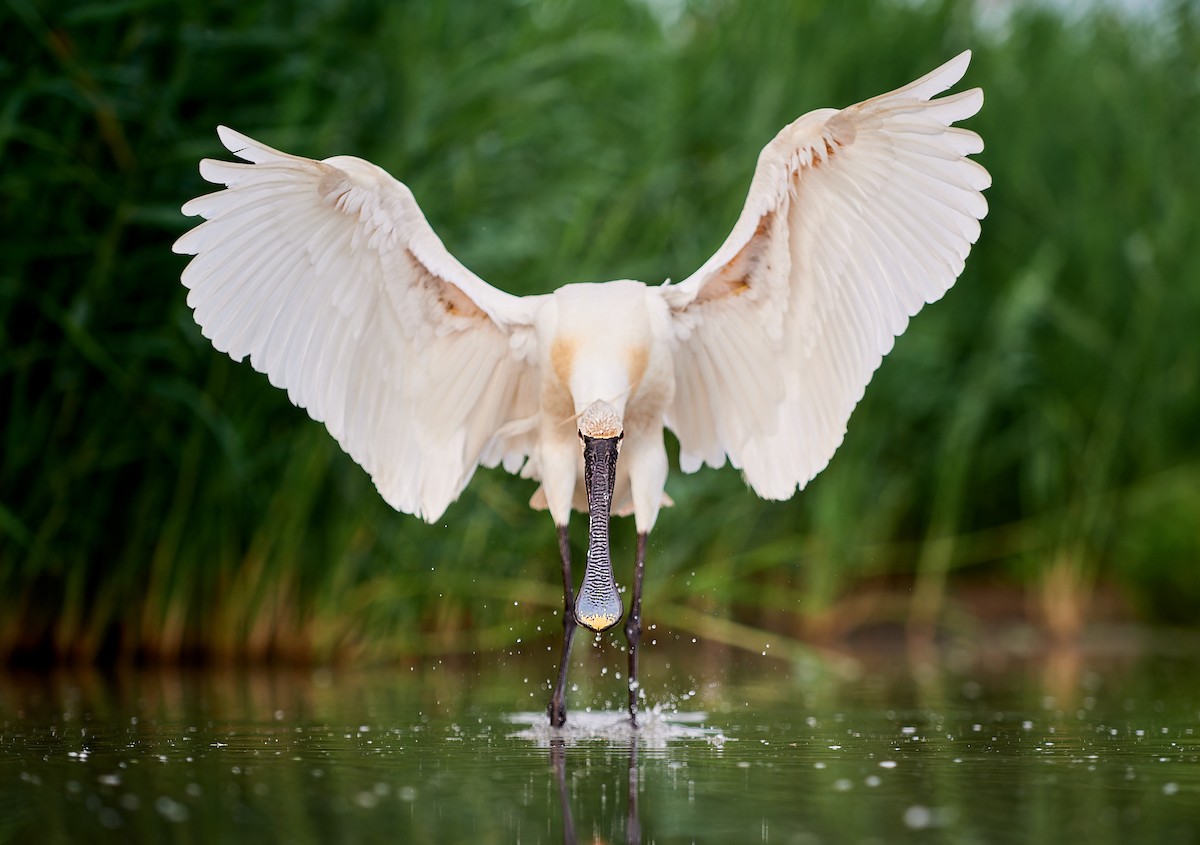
(855, 220)
(327, 275)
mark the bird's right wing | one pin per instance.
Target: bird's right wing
(327, 275)
(855, 220)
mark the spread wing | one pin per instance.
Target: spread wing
(327, 275)
(855, 220)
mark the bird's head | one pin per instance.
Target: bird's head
(600, 421)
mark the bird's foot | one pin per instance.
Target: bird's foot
(557, 710)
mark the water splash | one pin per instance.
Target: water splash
(655, 729)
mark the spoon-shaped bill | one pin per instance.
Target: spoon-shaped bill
(598, 605)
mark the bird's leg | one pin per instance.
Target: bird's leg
(633, 626)
(558, 704)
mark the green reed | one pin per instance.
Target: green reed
(1035, 429)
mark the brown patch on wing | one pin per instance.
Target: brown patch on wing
(730, 280)
(562, 358)
(734, 278)
(458, 303)
(831, 149)
(333, 187)
(448, 295)
(843, 129)
(841, 134)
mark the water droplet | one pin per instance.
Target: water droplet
(171, 810)
(109, 818)
(917, 817)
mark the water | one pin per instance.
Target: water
(741, 749)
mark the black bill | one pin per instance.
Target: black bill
(598, 605)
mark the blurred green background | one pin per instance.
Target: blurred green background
(1027, 454)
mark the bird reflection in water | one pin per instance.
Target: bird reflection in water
(558, 762)
(597, 742)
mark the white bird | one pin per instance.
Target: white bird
(327, 275)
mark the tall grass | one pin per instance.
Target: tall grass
(1036, 428)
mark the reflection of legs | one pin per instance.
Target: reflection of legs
(558, 759)
(558, 703)
(633, 627)
(633, 826)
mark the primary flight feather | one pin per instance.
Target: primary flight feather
(327, 275)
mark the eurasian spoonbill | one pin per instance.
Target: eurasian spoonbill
(327, 275)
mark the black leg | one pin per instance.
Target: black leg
(558, 703)
(633, 627)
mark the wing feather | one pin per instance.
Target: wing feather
(327, 276)
(855, 219)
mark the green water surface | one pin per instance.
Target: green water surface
(1049, 748)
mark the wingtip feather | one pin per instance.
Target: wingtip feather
(233, 140)
(246, 148)
(940, 78)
